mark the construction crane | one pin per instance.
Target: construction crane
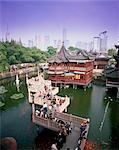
(103, 33)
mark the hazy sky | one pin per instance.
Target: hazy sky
(82, 19)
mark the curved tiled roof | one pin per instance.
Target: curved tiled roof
(114, 73)
(64, 56)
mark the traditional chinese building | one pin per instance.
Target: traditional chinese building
(71, 68)
(112, 74)
(101, 61)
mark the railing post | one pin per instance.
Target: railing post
(118, 93)
(33, 108)
(70, 118)
(33, 112)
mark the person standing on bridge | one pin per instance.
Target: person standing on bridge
(54, 146)
(45, 109)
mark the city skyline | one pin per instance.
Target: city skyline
(82, 20)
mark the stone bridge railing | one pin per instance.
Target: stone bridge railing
(69, 118)
(47, 123)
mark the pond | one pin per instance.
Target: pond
(16, 115)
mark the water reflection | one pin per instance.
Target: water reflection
(114, 120)
(16, 118)
(80, 101)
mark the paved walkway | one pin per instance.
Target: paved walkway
(72, 139)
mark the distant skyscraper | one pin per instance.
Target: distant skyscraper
(103, 41)
(82, 45)
(66, 43)
(30, 43)
(36, 41)
(7, 34)
(55, 43)
(64, 37)
(64, 34)
(20, 42)
(96, 44)
(39, 42)
(91, 46)
(59, 44)
(46, 42)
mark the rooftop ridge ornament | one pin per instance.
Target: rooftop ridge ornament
(117, 47)
(117, 56)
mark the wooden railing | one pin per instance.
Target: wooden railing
(71, 68)
(68, 81)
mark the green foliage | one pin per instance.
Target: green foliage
(51, 51)
(13, 53)
(71, 48)
(3, 58)
(111, 52)
(12, 60)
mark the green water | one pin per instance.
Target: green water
(16, 115)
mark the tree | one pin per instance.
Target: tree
(71, 48)
(13, 53)
(2, 57)
(112, 52)
(51, 51)
(12, 60)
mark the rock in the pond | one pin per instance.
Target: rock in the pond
(2, 90)
(8, 143)
(1, 104)
(17, 96)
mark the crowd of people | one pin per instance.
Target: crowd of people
(64, 127)
(50, 106)
(60, 139)
(83, 131)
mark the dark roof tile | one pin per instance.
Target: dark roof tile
(64, 56)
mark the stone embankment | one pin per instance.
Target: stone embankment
(4, 75)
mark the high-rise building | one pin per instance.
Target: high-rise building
(96, 44)
(30, 43)
(7, 34)
(46, 42)
(82, 45)
(64, 37)
(36, 41)
(59, 43)
(103, 41)
(55, 43)
(20, 42)
(64, 34)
